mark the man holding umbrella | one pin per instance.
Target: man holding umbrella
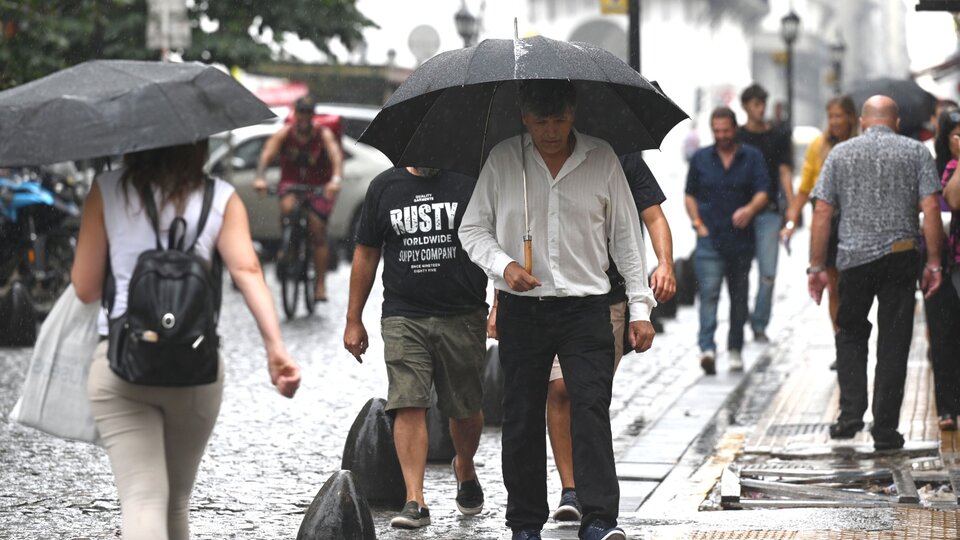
(580, 209)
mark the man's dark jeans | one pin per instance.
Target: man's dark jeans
(893, 281)
(531, 333)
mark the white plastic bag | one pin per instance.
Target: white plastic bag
(54, 398)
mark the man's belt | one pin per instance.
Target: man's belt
(903, 245)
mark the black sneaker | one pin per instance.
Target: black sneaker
(413, 516)
(469, 493)
(890, 440)
(525, 534)
(569, 509)
(760, 336)
(845, 429)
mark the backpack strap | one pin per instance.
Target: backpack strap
(209, 186)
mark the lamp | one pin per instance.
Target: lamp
(836, 55)
(789, 31)
(468, 25)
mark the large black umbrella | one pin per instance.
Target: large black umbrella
(109, 107)
(454, 108)
(916, 104)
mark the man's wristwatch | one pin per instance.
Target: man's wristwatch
(789, 225)
(933, 269)
(816, 269)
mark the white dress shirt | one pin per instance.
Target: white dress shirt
(573, 219)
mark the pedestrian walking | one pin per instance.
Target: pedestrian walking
(648, 197)
(841, 125)
(311, 155)
(774, 142)
(877, 181)
(942, 309)
(726, 189)
(579, 204)
(434, 309)
(155, 435)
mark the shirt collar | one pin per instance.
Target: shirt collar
(580, 147)
(879, 128)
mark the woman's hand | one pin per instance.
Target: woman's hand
(284, 372)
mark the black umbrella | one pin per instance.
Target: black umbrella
(110, 107)
(454, 108)
(916, 104)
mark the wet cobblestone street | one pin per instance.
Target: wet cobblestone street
(268, 456)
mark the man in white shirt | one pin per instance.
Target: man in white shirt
(580, 209)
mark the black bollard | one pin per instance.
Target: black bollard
(338, 511)
(372, 457)
(686, 281)
(439, 443)
(493, 389)
(18, 321)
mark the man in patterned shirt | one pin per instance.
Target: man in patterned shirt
(877, 181)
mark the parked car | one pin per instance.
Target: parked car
(361, 164)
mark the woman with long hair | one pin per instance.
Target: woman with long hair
(943, 308)
(155, 436)
(841, 125)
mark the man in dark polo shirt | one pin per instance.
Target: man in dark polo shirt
(726, 188)
(774, 143)
(433, 321)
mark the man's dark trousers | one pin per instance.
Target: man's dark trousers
(892, 279)
(531, 333)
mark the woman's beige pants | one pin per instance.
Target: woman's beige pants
(155, 437)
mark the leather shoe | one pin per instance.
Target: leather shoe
(845, 429)
(891, 440)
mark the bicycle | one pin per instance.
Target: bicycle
(295, 263)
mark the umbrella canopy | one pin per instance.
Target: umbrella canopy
(458, 105)
(916, 104)
(110, 107)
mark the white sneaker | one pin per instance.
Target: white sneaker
(735, 361)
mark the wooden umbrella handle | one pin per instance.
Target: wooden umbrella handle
(528, 256)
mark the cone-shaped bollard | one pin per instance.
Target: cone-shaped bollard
(18, 322)
(440, 446)
(686, 281)
(338, 511)
(493, 389)
(372, 457)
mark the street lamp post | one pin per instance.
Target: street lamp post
(836, 55)
(789, 30)
(468, 25)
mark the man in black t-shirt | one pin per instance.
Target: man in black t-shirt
(434, 310)
(775, 144)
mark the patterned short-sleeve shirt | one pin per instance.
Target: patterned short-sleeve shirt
(876, 180)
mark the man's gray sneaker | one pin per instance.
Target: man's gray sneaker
(569, 509)
(413, 516)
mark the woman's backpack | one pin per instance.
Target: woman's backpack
(168, 335)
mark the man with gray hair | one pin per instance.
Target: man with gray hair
(580, 209)
(877, 181)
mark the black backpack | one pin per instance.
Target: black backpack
(168, 335)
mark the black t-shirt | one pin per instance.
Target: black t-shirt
(777, 150)
(415, 220)
(646, 193)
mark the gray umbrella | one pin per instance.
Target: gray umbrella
(110, 107)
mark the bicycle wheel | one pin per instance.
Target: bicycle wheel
(288, 272)
(309, 279)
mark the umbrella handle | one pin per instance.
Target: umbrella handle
(528, 255)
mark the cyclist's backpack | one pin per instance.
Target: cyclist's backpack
(168, 335)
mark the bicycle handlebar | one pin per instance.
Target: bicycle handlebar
(298, 189)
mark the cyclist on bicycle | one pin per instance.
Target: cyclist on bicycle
(309, 155)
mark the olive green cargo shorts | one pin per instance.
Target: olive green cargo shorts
(447, 352)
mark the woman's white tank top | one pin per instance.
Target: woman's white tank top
(130, 233)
